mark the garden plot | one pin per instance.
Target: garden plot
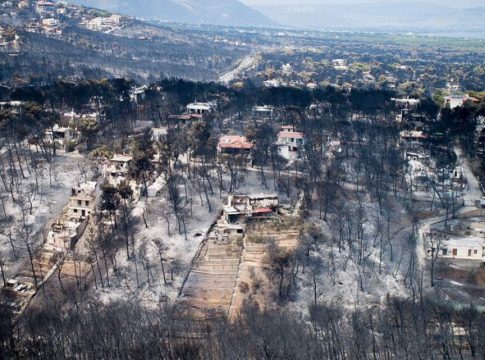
(254, 283)
(211, 281)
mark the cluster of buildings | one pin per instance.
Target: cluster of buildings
(48, 16)
(104, 24)
(67, 135)
(290, 143)
(9, 39)
(422, 173)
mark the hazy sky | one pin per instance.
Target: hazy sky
(452, 3)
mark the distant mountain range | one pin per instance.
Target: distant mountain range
(217, 12)
(381, 15)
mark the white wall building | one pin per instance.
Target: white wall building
(199, 108)
(45, 7)
(118, 166)
(466, 248)
(454, 101)
(264, 111)
(290, 142)
(61, 135)
(82, 201)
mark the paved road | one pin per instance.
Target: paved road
(473, 191)
(246, 63)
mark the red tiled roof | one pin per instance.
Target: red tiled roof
(290, 135)
(234, 142)
(264, 210)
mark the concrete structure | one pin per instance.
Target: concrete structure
(82, 202)
(119, 165)
(45, 7)
(262, 112)
(61, 135)
(455, 100)
(413, 135)
(466, 248)
(200, 108)
(158, 132)
(240, 208)
(406, 102)
(157, 186)
(290, 142)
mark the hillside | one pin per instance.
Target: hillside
(217, 12)
(74, 42)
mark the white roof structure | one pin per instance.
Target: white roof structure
(263, 109)
(122, 158)
(155, 188)
(157, 132)
(407, 101)
(472, 242)
(86, 188)
(200, 106)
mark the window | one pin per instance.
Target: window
(455, 252)
(469, 252)
(79, 202)
(87, 203)
(75, 210)
(445, 252)
(475, 252)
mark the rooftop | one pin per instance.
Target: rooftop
(290, 134)
(465, 241)
(199, 106)
(122, 158)
(234, 142)
(86, 188)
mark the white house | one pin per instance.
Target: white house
(199, 108)
(45, 7)
(119, 165)
(466, 248)
(289, 142)
(406, 102)
(61, 135)
(157, 133)
(264, 111)
(454, 101)
(82, 201)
